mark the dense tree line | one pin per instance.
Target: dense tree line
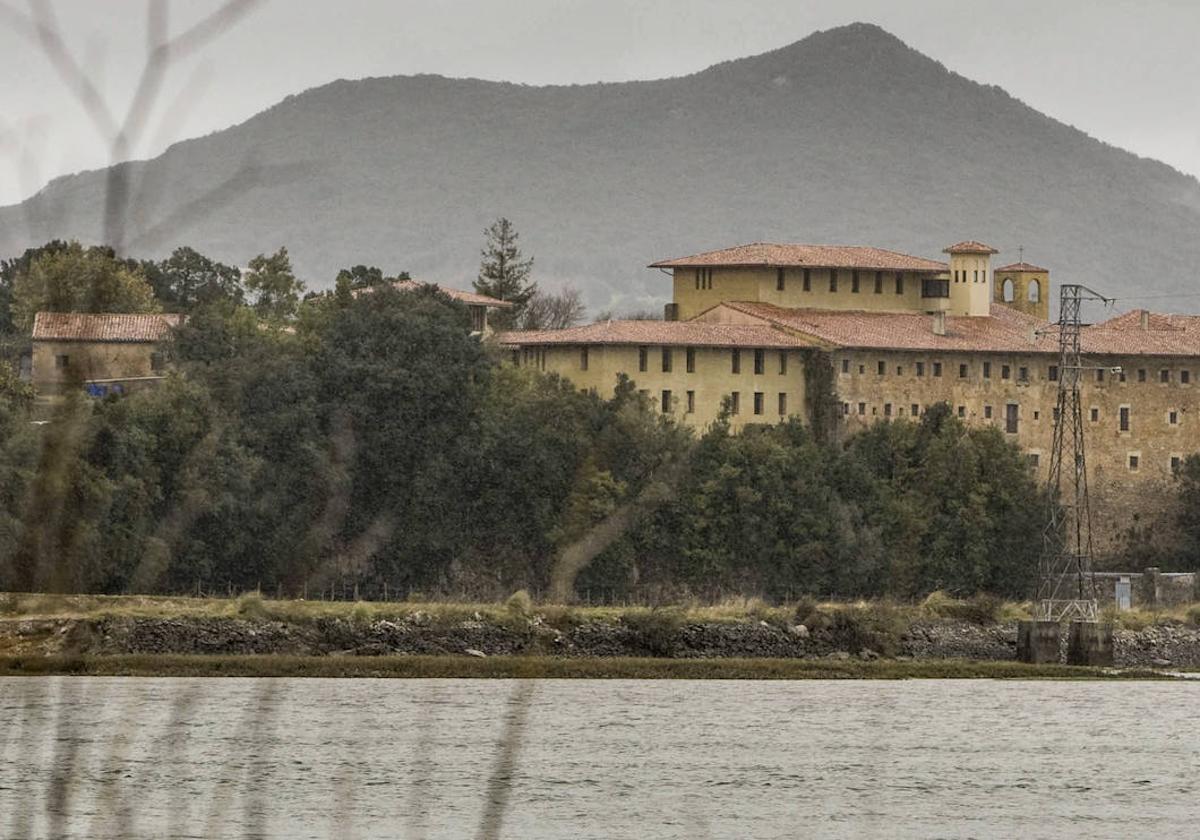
(371, 441)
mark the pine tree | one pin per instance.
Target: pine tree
(504, 274)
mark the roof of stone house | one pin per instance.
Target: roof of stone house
(1004, 331)
(1022, 266)
(682, 333)
(970, 246)
(770, 255)
(469, 298)
(104, 327)
(1161, 335)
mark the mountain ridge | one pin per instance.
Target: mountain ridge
(846, 135)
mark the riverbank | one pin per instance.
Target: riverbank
(250, 636)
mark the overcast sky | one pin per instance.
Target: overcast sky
(1125, 72)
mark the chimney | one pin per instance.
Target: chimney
(1144, 318)
(939, 323)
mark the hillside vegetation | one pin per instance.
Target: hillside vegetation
(846, 136)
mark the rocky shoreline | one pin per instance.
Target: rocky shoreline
(1161, 645)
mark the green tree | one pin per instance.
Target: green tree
(10, 270)
(274, 285)
(504, 273)
(364, 276)
(188, 279)
(78, 279)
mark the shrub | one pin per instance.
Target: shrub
(519, 604)
(251, 605)
(655, 630)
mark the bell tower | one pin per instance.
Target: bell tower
(970, 278)
(1024, 287)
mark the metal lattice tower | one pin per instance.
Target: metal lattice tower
(1066, 583)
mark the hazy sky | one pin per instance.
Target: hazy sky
(1125, 72)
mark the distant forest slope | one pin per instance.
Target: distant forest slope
(848, 136)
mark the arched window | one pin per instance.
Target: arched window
(1035, 291)
(1008, 290)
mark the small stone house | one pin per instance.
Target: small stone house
(101, 353)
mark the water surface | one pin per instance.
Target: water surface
(349, 758)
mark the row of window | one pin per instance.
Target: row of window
(1022, 372)
(62, 361)
(667, 402)
(960, 275)
(1012, 413)
(880, 280)
(667, 360)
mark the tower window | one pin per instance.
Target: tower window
(1034, 293)
(1006, 290)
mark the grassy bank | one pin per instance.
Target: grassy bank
(541, 667)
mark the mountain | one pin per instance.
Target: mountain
(848, 136)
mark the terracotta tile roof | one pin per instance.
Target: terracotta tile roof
(1004, 331)
(1023, 266)
(970, 246)
(469, 298)
(769, 255)
(683, 333)
(1162, 335)
(107, 327)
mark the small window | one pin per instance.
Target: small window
(845, 408)
(920, 368)
(583, 358)
(758, 402)
(1124, 418)
(643, 357)
(807, 281)
(987, 412)
(862, 369)
(62, 361)
(1033, 459)
(915, 409)
(735, 402)
(1011, 418)
(1037, 415)
(833, 279)
(881, 367)
(1054, 413)
(899, 283)
(1099, 374)
(1173, 417)
(1006, 290)
(854, 282)
(1095, 415)
(158, 362)
(1175, 463)
(1005, 372)
(735, 360)
(1134, 461)
(987, 370)
(782, 362)
(962, 371)
(1185, 377)
(690, 358)
(1121, 375)
(666, 360)
(878, 282)
(1023, 374)
(782, 404)
(887, 409)
(937, 368)
(862, 408)
(779, 281)
(1164, 375)
(962, 411)
(760, 362)
(691, 402)
(845, 365)
(1052, 373)
(899, 370)
(666, 402)
(1141, 374)
(516, 358)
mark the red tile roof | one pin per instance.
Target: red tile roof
(969, 247)
(1163, 335)
(768, 255)
(106, 327)
(1022, 266)
(684, 333)
(1004, 331)
(469, 298)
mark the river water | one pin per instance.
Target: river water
(152, 758)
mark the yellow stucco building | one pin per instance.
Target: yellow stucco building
(896, 334)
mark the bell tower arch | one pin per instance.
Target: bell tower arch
(1030, 285)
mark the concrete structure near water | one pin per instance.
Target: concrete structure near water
(1038, 641)
(1090, 643)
